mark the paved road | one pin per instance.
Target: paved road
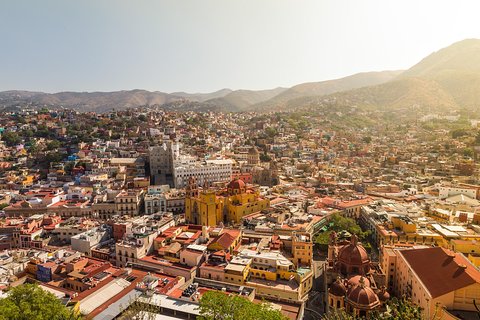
(314, 307)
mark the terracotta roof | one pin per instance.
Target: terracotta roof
(441, 270)
(364, 296)
(225, 240)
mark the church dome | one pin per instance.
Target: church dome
(236, 184)
(337, 288)
(363, 297)
(355, 281)
(383, 295)
(353, 258)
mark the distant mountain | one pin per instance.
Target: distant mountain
(222, 100)
(201, 97)
(240, 100)
(86, 101)
(449, 78)
(456, 69)
(397, 94)
(445, 80)
(330, 86)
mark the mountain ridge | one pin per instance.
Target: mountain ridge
(447, 78)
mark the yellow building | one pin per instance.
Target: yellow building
(474, 259)
(302, 249)
(403, 231)
(238, 270)
(202, 207)
(465, 246)
(210, 207)
(404, 223)
(271, 274)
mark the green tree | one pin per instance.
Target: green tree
(265, 157)
(477, 139)
(457, 133)
(396, 309)
(30, 302)
(367, 139)
(271, 132)
(11, 138)
(468, 152)
(54, 144)
(53, 157)
(216, 305)
(339, 223)
(338, 315)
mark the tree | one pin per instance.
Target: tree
(396, 309)
(468, 152)
(339, 315)
(367, 139)
(30, 302)
(53, 157)
(11, 138)
(271, 132)
(216, 305)
(477, 139)
(339, 223)
(52, 145)
(265, 157)
(140, 308)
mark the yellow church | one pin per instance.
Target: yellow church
(209, 207)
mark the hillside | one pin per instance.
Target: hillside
(86, 101)
(240, 100)
(330, 86)
(201, 97)
(397, 94)
(448, 78)
(456, 68)
(445, 80)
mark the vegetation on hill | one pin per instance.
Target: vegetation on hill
(322, 88)
(456, 69)
(410, 95)
(445, 80)
(240, 100)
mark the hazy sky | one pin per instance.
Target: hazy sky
(205, 45)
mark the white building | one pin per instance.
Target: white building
(208, 171)
(163, 199)
(447, 191)
(83, 242)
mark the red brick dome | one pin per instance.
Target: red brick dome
(353, 258)
(337, 288)
(363, 297)
(383, 295)
(236, 184)
(355, 281)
